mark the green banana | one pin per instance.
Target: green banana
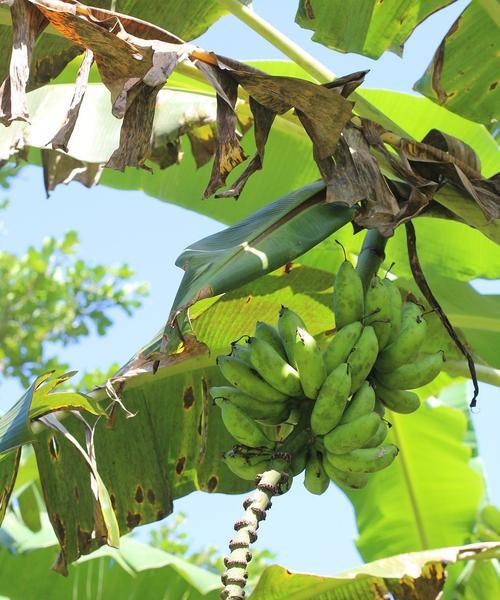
(490, 515)
(363, 357)
(269, 334)
(273, 368)
(379, 407)
(245, 467)
(316, 481)
(309, 363)
(406, 346)
(348, 296)
(352, 435)
(413, 375)
(278, 433)
(241, 353)
(241, 426)
(299, 461)
(332, 398)
(341, 345)
(379, 436)
(247, 380)
(353, 481)
(362, 403)
(272, 413)
(288, 323)
(378, 311)
(365, 460)
(395, 305)
(400, 401)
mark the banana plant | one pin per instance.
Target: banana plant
(401, 167)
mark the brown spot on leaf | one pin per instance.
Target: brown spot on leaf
(160, 515)
(200, 425)
(133, 519)
(493, 85)
(59, 528)
(84, 540)
(53, 447)
(309, 9)
(113, 501)
(188, 398)
(287, 268)
(179, 464)
(139, 495)
(151, 496)
(212, 483)
(77, 493)
(249, 299)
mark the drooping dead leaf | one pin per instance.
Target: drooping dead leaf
(263, 121)
(135, 58)
(203, 144)
(62, 168)
(326, 110)
(229, 153)
(61, 139)
(27, 24)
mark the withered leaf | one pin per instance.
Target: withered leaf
(326, 111)
(229, 152)
(61, 139)
(263, 120)
(62, 168)
(378, 204)
(346, 84)
(203, 143)
(27, 24)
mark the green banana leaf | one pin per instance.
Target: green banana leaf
(427, 498)
(415, 575)
(268, 239)
(374, 28)
(463, 75)
(134, 570)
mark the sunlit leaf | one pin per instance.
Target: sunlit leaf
(374, 28)
(463, 75)
(421, 574)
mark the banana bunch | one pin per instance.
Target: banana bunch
(280, 378)
(270, 375)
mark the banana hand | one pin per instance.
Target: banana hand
(413, 375)
(309, 363)
(353, 435)
(332, 399)
(400, 401)
(242, 427)
(240, 375)
(363, 357)
(273, 368)
(348, 296)
(365, 460)
(341, 345)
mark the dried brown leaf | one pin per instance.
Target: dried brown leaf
(203, 144)
(229, 153)
(27, 24)
(62, 168)
(61, 139)
(263, 121)
(326, 111)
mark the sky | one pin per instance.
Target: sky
(116, 226)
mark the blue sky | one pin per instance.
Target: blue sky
(116, 226)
